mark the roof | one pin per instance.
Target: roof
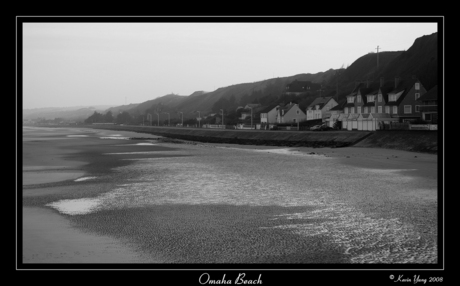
(288, 107)
(432, 94)
(320, 101)
(397, 102)
(364, 115)
(403, 86)
(268, 108)
(340, 105)
(353, 94)
(386, 88)
(352, 116)
(365, 91)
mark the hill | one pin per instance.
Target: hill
(121, 108)
(165, 103)
(421, 60)
(234, 95)
(68, 113)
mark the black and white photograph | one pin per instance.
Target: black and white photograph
(238, 144)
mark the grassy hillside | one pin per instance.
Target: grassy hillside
(421, 60)
(121, 108)
(237, 95)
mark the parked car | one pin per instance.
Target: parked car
(322, 127)
(316, 128)
(326, 128)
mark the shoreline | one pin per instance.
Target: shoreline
(51, 238)
(48, 236)
(47, 233)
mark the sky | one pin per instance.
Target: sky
(90, 64)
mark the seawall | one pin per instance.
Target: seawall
(414, 140)
(250, 137)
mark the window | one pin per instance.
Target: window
(380, 109)
(350, 99)
(358, 109)
(392, 97)
(417, 86)
(352, 110)
(359, 98)
(417, 96)
(366, 110)
(346, 110)
(294, 120)
(372, 109)
(395, 110)
(387, 109)
(297, 112)
(380, 97)
(370, 98)
(417, 108)
(407, 109)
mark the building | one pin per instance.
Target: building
(335, 113)
(429, 107)
(361, 99)
(291, 113)
(319, 108)
(403, 99)
(269, 115)
(298, 87)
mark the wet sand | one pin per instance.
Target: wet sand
(199, 232)
(47, 236)
(50, 238)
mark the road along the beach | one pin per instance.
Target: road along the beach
(208, 203)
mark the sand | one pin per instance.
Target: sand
(53, 237)
(50, 238)
(47, 236)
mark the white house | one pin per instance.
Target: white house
(291, 113)
(319, 108)
(269, 115)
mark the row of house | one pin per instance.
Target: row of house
(368, 107)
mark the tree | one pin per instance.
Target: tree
(124, 118)
(94, 118)
(222, 103)
(108, 117)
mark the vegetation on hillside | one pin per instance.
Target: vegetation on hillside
(419, 60)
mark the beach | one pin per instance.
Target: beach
(100, 196)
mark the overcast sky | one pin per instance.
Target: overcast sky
(80, 64)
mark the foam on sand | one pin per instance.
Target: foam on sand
(84, 179)
(115, 137)
(76, 206)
